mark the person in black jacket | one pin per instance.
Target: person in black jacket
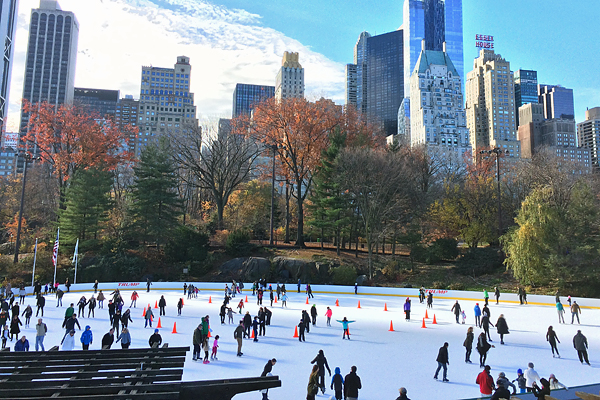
(402, 394)
(581, 345)
(552, 338)
(301, 329)
(443, 361)
(155, 340)
(108, 339)
(502, 328)
(247, 324)
(41, 302)
(306, 319)
(501, 392)
(540, 393)
(69, 325)
(485, 324)
(352, 384)
(468, 343)
(322, 363)
(483, 347)
(162, 303)
(456, 309)
(268, 367)
(313, 314)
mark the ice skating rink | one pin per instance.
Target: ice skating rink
(385, 360)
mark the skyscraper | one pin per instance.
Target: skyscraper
(588, 135)
(127, 110)
(525, 87)
(98, 101)
(438, 117)
(351, 85)
(290, 78)
(360, 60)
(557, 101)
(8, 14)
(436, 21)
(51, 57)
(166, 103)
(245, 97)
(490, 104)
(529, 133)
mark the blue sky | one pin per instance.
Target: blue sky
(231, 41)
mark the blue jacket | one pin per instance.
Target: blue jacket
(22, 346)
(124, 337)
(344, 323)
(337, 381)
(477, 311)
(86, 336)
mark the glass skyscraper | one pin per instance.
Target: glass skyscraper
(557, 101)
(8, 14)
(245, 97)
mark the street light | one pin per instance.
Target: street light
(498, 152)
(27, 158)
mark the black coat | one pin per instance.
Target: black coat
(162, 302)
(580, 342)
(351, 385)
(443, 355)
(302, 326)
(108, 340)
(322, 363)
(502, 326)
(268, 368)
(482, 344)
(247, 320)
(41, 301)
(468, 343)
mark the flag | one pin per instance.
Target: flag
(55, 251)
(75, 254)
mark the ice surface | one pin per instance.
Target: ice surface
(385, 360)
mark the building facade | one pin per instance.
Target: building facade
(438, 118)
(245, 97)
(588, 135)
(490, 104)
(51, 57)
(559, 136)
(8, 15)
(166, 102)
(126, 113)
(529, 132)
(352, 85)
(100, 102)
(526, 89)
(290, 78)
(557, 101)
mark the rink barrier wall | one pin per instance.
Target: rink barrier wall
(560, 394)
(461, 295)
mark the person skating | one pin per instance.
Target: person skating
(309, 291)
(112, 307)
(271, 297)
(87, 337)
(502, 327)
(407, 309)
(96, 286)
(124, 338)
(352, 384)
(345, 324)
(206, 348)
(328, 314)
(301, 329)
(148, 283)
(185, 286)
(162, 303)
(69, 324)
(240, 305)
(321, 361)
(468, 344)
(486, 296)
(531, 376)
(355, 287)
(575, 311)
(497, 294)
(40, 332)
(81, 305)
(486, 310)
(179, 306)
(430, 300)
(540, 393)
(268, 315)
(265, 392)
(69, 343)
(155, 340)
(521, 381)
(40, 302)
(337, 384)
(149, 315)
(255, 324)
(581, 345)
(68, 285)
(485, 325)
(306, 319)
(262, 322)
(503, 381)
(223, 313)
(238, 334)
(91, 306)
(108, 339)
(229, 315)
(299, 283)
(456, 308)
(101, 299)
(269, 367)
(555, 384)
(134, 297)
(28, 312)
(247, 324)
(552, 338)
(215, 346)
(482, 347)
(561, 312)
(443, 362)
(313, 314)
(313, 383)
(197, 342)
(485, 381)
(126, 319)
(284, 299)
(117, 321)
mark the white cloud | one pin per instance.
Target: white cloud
(225, 46)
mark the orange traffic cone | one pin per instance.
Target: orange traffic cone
(275, 299)
(434, 321)
(159, 324)
(144, 313)
(156, 304)
(252, 334)
(359, 304)
(426, 316)
(209, 299)
(246, 299)
(174, 327)
(423, 326)
(337, 303)
(391, 327)
(307, 300)
(296, 332)
(385, 307)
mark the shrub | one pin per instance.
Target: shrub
(480, 261)
(187, 244)
(391, 271)
(439, 285)
(238, 243)
(444, 249)
(344, 275)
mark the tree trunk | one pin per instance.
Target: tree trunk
(337, 240)
(220, 208)
(370, 256)
(383, 246)
(287, 213)
(322, 233)
(300, 203)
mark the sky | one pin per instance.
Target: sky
(242, 41)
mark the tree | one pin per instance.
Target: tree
(156, 205)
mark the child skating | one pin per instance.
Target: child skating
(345, 324)
(215, 346)
(205, 347)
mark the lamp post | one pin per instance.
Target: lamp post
(27, 158)
(497, 152)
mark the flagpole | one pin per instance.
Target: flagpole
(76, 259)
(56, 263)
(34, 258)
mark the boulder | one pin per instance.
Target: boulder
(232, 268)
(255, 268)
(295, 269)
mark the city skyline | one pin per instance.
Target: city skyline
(245, 45)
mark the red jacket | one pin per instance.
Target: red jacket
(485, 382)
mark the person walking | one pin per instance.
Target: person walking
(407, 309)
(313, 383)
(502, 327)
(162, 303)
(40, 332)
(238, 334)
(321, 361)
(108, 339)
(485, 324)
(337, 384)
(87, 337)
(477, 313)
(456, 309)
(197, 342)
(561, 312)
(531, 376)
(313, 314)
(328, 314)
(468, 344)
(443, 362)
(497, 294)
(575, 311)
(40, 302)
(485, 381)
(301, 329)
(552, 338)
(483, 347)
(581, 345)
(155, 340)
(345, 324)
(352, 384)
(124, 338)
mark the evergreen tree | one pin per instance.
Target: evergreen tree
(87, 203)
(156, 204)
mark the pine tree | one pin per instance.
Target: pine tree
(156, 204)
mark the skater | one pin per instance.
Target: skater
(302, 328)
(28, 312)
(575, 311)
(561, 312)
(96, 286)
(313, 383)
(59, 296)
(68, 285)
(579, 342)
(69, 324)
(40, 332)
(407, 309)
(148, 283)
(482, 348)
(215, 346)
(352, 384)
(255, 329)
(552, 338)
(485, 324)
(100, 299)
(22, 294)
(179, 306)
(284, 299)
(328, 314)
(502, 327)
(268, 315)
(345, 323)
(229, 315)
(238, 335)
(185, 286)
(108, 339)
(322, 363)
(124, 338)
(486, 310)
(247, 324)
(41, 302)
(497, 294)
(240, 305)
(162, 303)
(278, 290)
(223, 313)
(503, 381)
(299, 283)
(81, 305)
(540, 393)
(569, 300)
(206, 348)
(134, 297)
(456, 309)
(271, 296)
(306, 319)
(259, 296)
(262, 321)
(155, 340)
(309, 291)
(117, 321)
(421, 294)
(355, 287)
(126, 319)
(486, 296)
(521, 381)
(337, 383)
(86, 339)
(525, 296)
(468, 344)
(148, 317)
(269, 366)
(555, 384)
(430, 300)
(402, 396)
(531, 376)
(313, 314)
(69, 343)
(91, 306)
(485, 381)
(22, 345)
(111, 310)
(197, 341)
(443, 361)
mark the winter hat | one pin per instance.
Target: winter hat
(519, 371)
(337, 370)
(530, 365)
(501, 375)
(552, 376)
(156, 331)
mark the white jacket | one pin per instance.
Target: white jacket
(530, 376)
(69, 343)
(555, 385)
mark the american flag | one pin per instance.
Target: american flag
(55, 251)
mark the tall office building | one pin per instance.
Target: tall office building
(559, 136)
(588, 135)
(437, 117)
(360, 60)
(8, 15)
(290, 78)
(51, 57)
(525, 89)
(166, 103)
(436, 21)
(490, 104)
(557, 101)
(529, 133)
(351, 85)
(245, 97)
(126, 113)
(101, 102)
